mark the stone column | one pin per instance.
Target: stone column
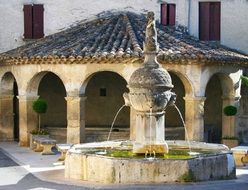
(6, 118)
(194, 111)
(228, 122)
(28, 119)
(132, 123)
(75, 119)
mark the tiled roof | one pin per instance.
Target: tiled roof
(121, 36)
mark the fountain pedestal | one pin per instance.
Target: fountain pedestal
(149, 137)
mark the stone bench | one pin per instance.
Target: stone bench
(44, 145)
(240, 154)
(63, 148)
(32, 144)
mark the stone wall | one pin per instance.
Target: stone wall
(100, 134)
(76, 77)
(101, 110)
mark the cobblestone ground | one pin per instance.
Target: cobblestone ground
(15, 177)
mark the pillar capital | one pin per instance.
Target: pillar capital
(27, 98)
(75, 98)
(6, 97)
(194, 98)
(231, 98)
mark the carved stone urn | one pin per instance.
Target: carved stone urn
(149, 94)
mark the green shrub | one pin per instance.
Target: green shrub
(244, 80)
(230, 138)
(230, 110)
(40, 132)
(40, 106)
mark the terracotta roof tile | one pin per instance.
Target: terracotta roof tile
(122, 35)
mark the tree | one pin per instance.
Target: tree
(39, 106)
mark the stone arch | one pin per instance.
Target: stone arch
(33, 83)
(49, 86)
(91, 74)
(173, 123)
(219, 92)
(188, 87)
(7, 82)
(104, 92)
(9, 124)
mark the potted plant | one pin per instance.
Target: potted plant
(230, 141)
(40, 107)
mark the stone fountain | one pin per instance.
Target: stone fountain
(150, 92)
(147, 160)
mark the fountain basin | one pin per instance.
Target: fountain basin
(83, 165)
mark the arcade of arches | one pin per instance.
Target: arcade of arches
(81, 106)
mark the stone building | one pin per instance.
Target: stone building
(82, 72)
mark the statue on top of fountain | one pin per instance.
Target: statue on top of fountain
(151, 44)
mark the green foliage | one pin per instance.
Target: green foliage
(230, 138)
(40, 132)
(39, 106)
(244, 80)
(230, 110)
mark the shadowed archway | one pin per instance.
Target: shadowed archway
(9, 124)
(104, 92)
(48, 86)
(174, 128)
(219, 88)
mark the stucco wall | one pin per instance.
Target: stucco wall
(60, 14)
(234, 23)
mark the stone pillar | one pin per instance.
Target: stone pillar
(28, 119)
(194, 111)
(132, 123)
(149, 134)
(6, 118)
(75, 119)
(228, 122)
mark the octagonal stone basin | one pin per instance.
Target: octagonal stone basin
(98, 162)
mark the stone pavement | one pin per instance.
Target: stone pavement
(23, 169)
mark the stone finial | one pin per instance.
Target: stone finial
(151, 44)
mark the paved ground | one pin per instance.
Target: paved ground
(22, 169)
